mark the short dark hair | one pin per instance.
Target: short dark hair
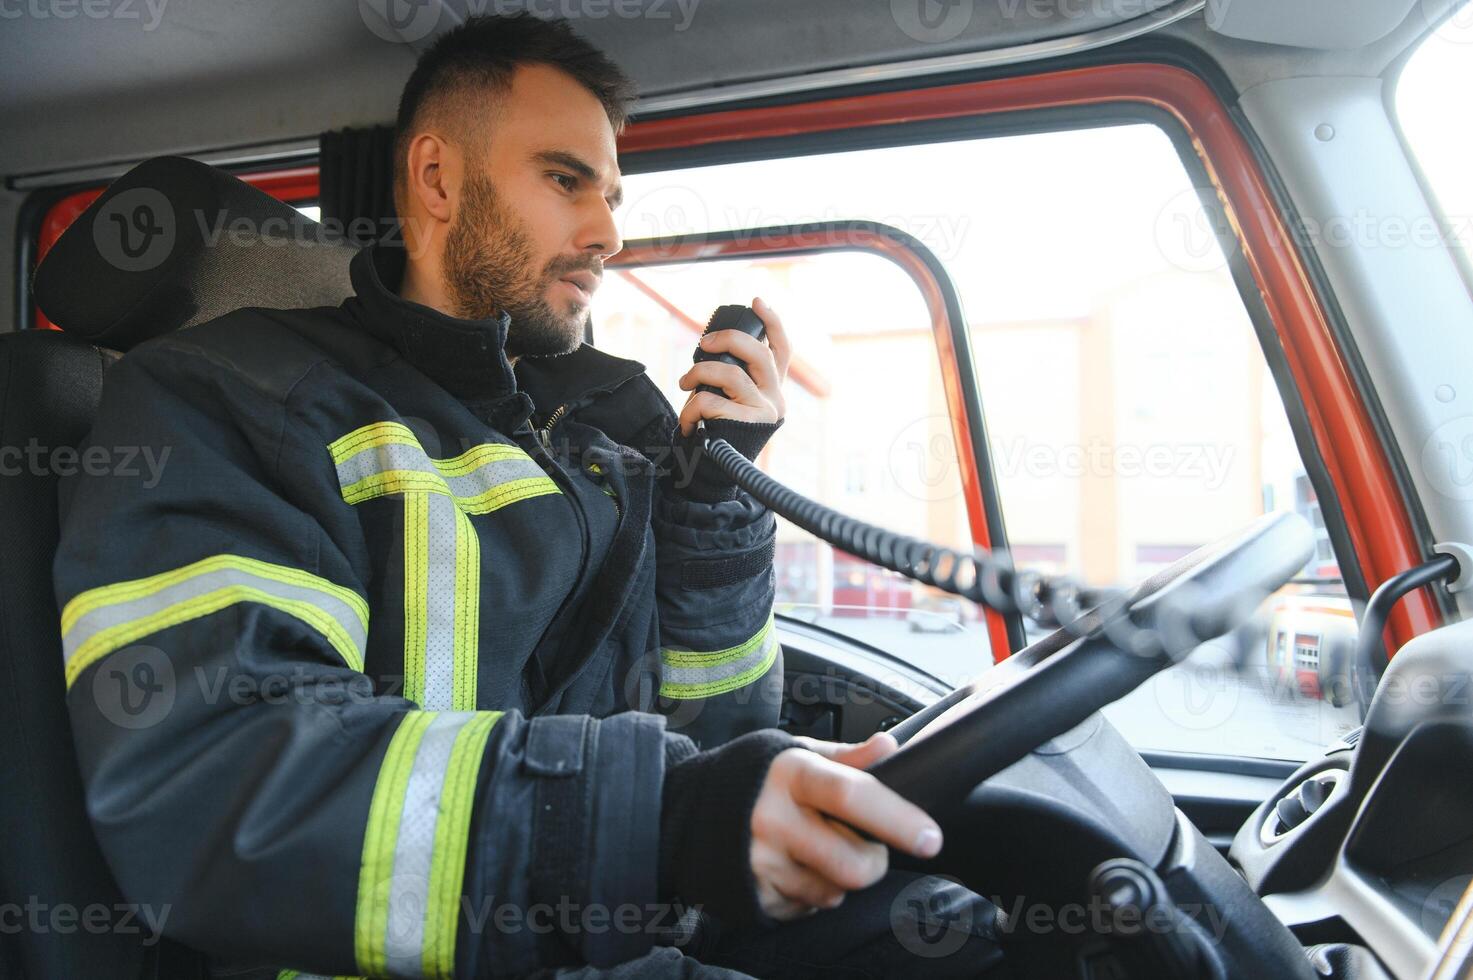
(486, 50)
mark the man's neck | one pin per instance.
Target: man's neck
(428, 290)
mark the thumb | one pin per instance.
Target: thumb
(860, 755)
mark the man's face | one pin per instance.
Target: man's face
(534, 222)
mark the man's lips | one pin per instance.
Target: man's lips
(587, 282)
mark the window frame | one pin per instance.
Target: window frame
(1375, 520)
(948, 326)
(1377, 524)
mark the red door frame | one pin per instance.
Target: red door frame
(859, 239)
(1358, 465)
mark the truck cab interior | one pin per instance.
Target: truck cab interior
(1168, 298)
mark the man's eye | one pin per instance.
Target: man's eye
(565, 181)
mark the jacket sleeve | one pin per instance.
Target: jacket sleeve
(245, 779)
(721, 664)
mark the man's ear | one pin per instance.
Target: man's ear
(433, 176)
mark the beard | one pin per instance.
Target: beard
(488, 267)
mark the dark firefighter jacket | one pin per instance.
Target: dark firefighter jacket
(382, 656)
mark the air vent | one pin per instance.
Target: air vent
(1300, 804)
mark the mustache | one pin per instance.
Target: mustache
(564, 265)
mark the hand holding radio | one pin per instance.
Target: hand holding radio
(720, 387)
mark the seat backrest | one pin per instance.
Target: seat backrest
(170, 244)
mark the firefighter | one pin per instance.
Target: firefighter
(434, 648)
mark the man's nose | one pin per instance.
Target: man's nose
(600, 232)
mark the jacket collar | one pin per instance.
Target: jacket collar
(468, 357)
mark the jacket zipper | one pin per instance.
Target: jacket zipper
(545, 433)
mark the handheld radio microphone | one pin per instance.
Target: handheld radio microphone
(730, 318)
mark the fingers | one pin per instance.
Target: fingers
(739, 387)
(841, 857)
(760, 359)
(777, 334)
(860, 800)
(860, 755)
(804, 887)
(706, 405)
(767, 363)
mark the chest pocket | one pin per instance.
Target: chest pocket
(442, 552)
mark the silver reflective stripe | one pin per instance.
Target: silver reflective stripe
(382, 459)
(439, 600)
(684, 680)
(414, 852)
(179, 594)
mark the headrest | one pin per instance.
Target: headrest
(175, 242)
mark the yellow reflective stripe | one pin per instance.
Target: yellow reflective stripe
(374, 434)
(102, 620)
(441, 632)
(692, 674)
(394, 481)
(416, 593)
(415, 844)
(507, 493)
(476, 457)
(120, 636)
(371, 922)
(367, 479)
(467, 652)
(452, 842)
(107, 595)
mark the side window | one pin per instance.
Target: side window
(1131, 412)
(1429, 107)
(867, 429)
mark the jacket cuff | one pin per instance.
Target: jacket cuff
(705, 481)
(706, 825)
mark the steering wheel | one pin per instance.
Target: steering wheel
(1052, 686)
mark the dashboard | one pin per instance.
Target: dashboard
(1371, 845)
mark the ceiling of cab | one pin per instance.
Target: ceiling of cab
(93, 81)
(98, 83)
